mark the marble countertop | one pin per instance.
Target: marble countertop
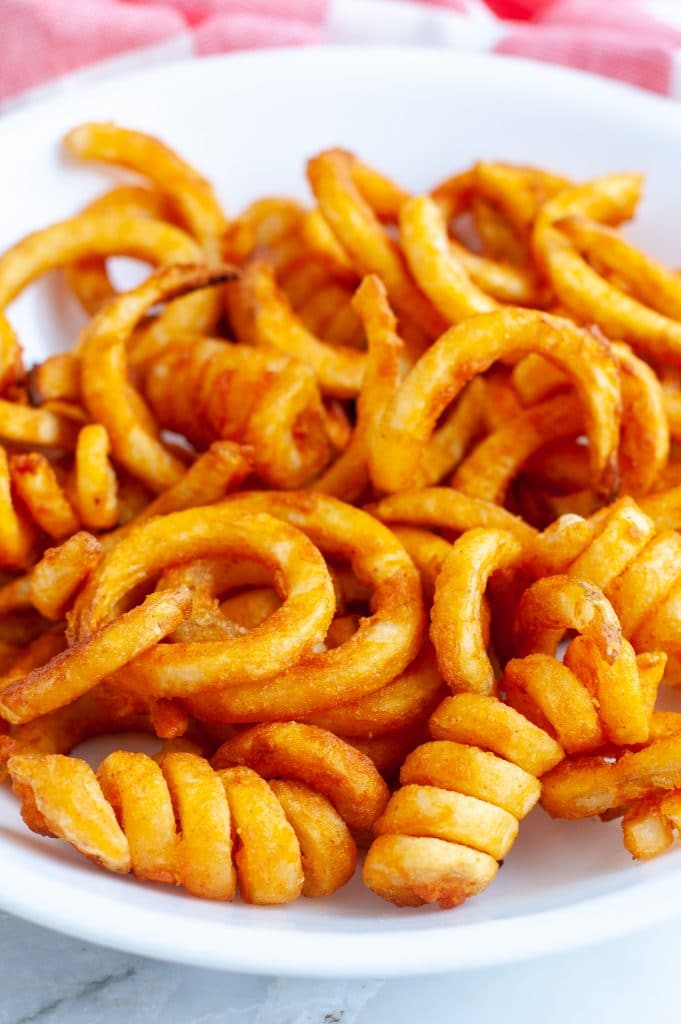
(48, 978)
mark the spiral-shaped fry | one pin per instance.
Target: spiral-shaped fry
(601, 693)
(173, 821)
(214, 531)
(550, 417)
(438, 270)
(35, 483)
(88, 277)
(349, 214)
(573, 247)
(259, 397)
(261, 315)
(456, 617)
(635, 564)
(192, 194)
(53, 582)
(17, 532)
(469, 349)
(443, 508)
(462, 795)
(107, 393)
(634, 782)
(364, 663)
(310, 266)
(69, 674)
(348, 477)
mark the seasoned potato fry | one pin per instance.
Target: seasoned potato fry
(471, 348)
(456, 617)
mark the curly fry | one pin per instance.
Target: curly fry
(305, 753)
(172, 821)
(444, 508)
(364, 663)
(437, 268)
(75, 671)
(349, 474)
(471, 348)
(188, 669)
(191, 193)
(261, 398)
(367, 243)
(581, 288)
(459, 806)
(105, 385)
(94, 484)
(261, 315)
(456, 616)
(35, 481)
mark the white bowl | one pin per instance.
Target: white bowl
(249, 122)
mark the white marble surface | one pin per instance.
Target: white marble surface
(48, 978)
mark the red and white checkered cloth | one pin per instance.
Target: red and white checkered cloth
(55, 43)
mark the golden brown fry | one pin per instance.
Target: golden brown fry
(489, 470)
(170, 174)
(437, 268)
(502, 280)
(518, 191)
(368, 245)
(652, 282)
(204, 861)
(35, 481)
(328, 851)
(349, 474)
(61, 797)
(40, 428)
(427, 551)
(171, 670)
(72, 673)
(409, 871)
(315, 757)
(60, 573)
(440, 814)
(17, 534)
(56, 378)
(594, 785)
(11, 365)
(480, 720)
(459, 805)
(258, 397)
(620, 551)
(268, 860)
(585, 292)
(500, 240)
(365, 662)
(217, 471)
(644, 433)
(456, 616)
(555, 604)
(322, 241)
(105, 384)
(261, 315)
(94, 484)
(447, 509)
(87, 277)
(471, 348)
(402, 704)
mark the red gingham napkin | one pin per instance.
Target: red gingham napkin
(47, 41)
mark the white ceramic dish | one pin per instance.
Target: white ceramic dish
(249, 122)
